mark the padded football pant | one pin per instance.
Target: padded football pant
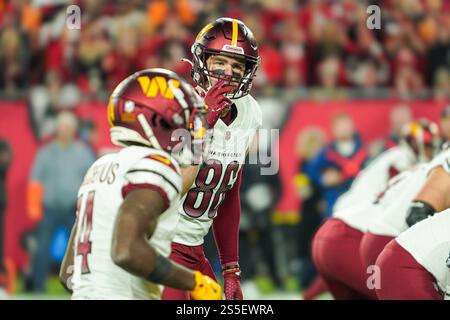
(403, 278)
(335, 250)
(193, 258)
(371, 246)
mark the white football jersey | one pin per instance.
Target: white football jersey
(373, 179)
(218, 173)
(108, 180)
(429, 243)
(355, 207)
(390, 219)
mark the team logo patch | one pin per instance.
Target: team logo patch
(155, 86)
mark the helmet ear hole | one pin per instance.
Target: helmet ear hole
(153, 120)
(158, 121)
(164, 124)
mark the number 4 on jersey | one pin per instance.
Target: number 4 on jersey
(83, 244)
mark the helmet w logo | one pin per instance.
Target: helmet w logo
(155, 86)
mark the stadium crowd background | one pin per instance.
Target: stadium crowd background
(319, 63)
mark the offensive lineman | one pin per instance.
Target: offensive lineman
(125, 218)
(416, 264)
(391, 218)
(225, 59)
(336, 245)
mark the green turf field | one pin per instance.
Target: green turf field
(253, 290)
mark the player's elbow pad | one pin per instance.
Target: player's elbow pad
(418, 211)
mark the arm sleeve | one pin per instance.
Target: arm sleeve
(226, 225)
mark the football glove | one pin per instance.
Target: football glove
(232, 283)
(217, 102)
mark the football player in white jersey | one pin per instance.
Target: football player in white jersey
(126, 211)
(416, 265)
(225, 59)
(373, 179)
(336, 245)
(391, 216)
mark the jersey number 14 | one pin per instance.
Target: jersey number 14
(83, 244)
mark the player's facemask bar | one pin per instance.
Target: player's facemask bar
(193, 146)
(202, 75)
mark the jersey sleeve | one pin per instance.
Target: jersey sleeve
(402, 162)
(157, 173)
(442, 160)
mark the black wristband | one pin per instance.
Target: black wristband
(418, 211)
(162, 269)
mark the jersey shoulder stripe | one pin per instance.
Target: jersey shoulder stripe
(163, 160)
(157, 166)
(173, 185)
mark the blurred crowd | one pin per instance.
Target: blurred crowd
(315, 49)
(312, 43)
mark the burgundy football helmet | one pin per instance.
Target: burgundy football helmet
(419, 134)
(229, 37)
(148, 106)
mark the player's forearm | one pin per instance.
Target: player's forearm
(130, 250)
(141, 259)
(436, 190)
(226, 235)
(226, 225)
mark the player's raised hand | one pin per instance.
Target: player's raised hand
(217, 102)
(232, 285)
(205, 288)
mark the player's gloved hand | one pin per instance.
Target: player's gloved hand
(217, 102)
(205, 288)
(232, 283)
